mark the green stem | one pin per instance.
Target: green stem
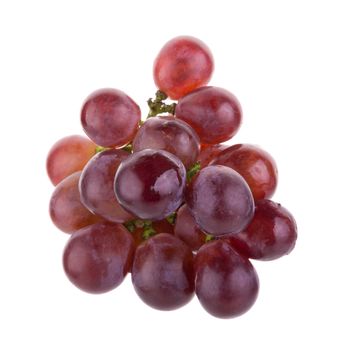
(99, 149)
(196, 167)
(158, 106)
(208, 238)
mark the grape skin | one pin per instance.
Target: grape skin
(182, 65)
(226, 283)
(150, 184)
(97, 186)
(97, 257)
(256, 166)
(188, 230)
(162, 273)
(68, 155)
(209, 152)
(271, 234)
(169, 134)
(66, 209)
(110, 117)
(214, 113)
(220, 200)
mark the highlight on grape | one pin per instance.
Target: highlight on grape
(163, 198)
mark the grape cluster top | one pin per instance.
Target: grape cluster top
(165, 198)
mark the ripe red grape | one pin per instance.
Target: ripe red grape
(110, 117)
(271, 234)
(214, 113)
(220, 200)
(169, 134)
(150, 184)
(256, 166)
(97, 185)
(162, 273)
(183, 64)
(66, 209)
(188, 230)
(209, 152)
(67, 156)
(226, 283)
(97, 257)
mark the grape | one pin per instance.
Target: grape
(214, 113)
(271, 234)
(209, 152)
(226, 283)
(97, 185)
(220, 200)
(183, 64)
(187, 229)
(169, 134)
(97, 257)
(150, 184)
(162, 273)
(110, 117)
(139, 232)
(66, 210)
(256, 166)
(67, 156)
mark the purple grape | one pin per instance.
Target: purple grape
(220, 200)
(97, 257)
(169, 134)
(226, 282)
(97, 186)
(150, 184)
(162, 273)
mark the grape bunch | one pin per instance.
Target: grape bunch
(165, 198)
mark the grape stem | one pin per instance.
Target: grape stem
(158, 106)
(196, 167)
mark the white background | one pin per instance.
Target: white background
(288, 63)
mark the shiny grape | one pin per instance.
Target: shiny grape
(255, 165)
(162, 273)
(182, 65)
(110, 117)
(214, 113)
(150, 184)
(67, 156)
(169, 134)
(97, 185)
(220, 200)
(271, 234)
(226, 282)
(66, 209)
(97, 257)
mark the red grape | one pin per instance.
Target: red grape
(220, 200)
(66, 210)
(214, 113)
(162, 273)
(97, 185)
(226, 283)
(209, 152)
(183, 64)
(256, 166)
(169, 134)
(110, 117)
(150, 184)
(271, 234)
(188, 230)
(97, 257)
(67, 156)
